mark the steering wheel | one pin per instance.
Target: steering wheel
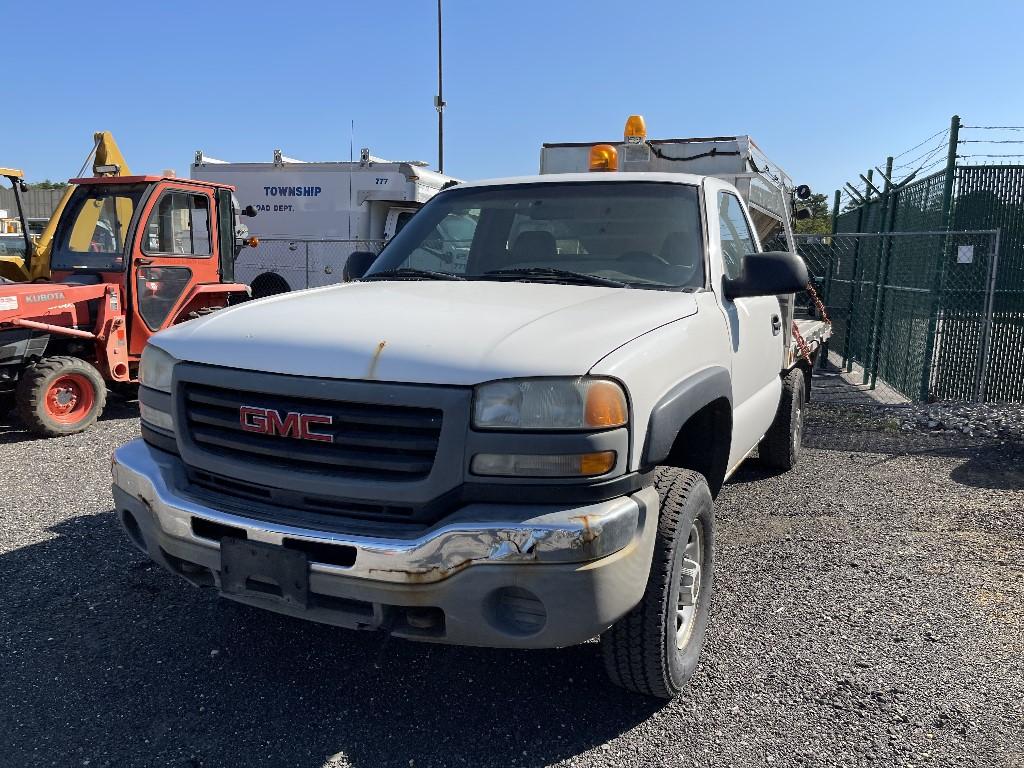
(643, 256)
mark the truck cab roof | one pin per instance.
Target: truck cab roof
(614, 177)
(145, 179)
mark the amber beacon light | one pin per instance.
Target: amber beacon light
(636, 130)
(604, 157)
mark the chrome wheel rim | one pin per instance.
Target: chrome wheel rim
(798, 428)
(689, 585)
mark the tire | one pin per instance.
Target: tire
(269, 284)
(781, 446)
(654, 649)
(60, 396)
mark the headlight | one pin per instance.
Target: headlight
(155, 369)
(550, 404)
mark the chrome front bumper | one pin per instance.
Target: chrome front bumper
(477, 533)
(589, 562)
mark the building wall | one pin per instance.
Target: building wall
(39, 203)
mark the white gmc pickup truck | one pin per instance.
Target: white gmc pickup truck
(509, 441)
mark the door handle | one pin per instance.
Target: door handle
(143, 262)
(776, 325)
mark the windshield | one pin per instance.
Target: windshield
(94, 226)
(638, 234)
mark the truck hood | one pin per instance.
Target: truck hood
(458, 333)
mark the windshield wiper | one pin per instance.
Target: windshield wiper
(552, 273)
(411, 273)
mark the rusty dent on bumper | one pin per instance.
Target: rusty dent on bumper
(474, 535)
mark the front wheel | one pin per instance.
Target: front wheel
(654, 648)
(60, 396)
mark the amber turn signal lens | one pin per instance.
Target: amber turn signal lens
(597, 463)
(605, 406)
(543, 465)
(252, 242)
(604, 157)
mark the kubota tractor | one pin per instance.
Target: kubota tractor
(131, 255)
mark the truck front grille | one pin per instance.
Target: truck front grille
(367, 441)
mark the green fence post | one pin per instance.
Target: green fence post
(826, 293)
(947, 215)
(888, 215)
(869, 351)
(855, 286)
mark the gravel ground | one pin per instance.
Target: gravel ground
(869, 609)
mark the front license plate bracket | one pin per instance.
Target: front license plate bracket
(253, 568)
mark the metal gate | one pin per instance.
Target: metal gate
(918, 310)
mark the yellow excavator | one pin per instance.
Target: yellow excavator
(107, 160)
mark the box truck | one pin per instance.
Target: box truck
(312, 216)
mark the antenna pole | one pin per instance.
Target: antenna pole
(439, 101)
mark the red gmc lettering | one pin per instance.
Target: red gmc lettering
(253, 419)
(299, 426)
(289, 427)
(309, 434)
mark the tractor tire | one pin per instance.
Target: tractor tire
(60, 396)
(269, 284)
(781, 446)
(654, 649)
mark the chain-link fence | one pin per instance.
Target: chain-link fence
(276, 266)
(916, 309)
(940, 265)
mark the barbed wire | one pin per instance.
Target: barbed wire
(924, 158)
(926, 162)
(993, 127)
(908, 151)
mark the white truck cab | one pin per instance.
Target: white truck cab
(507, 431)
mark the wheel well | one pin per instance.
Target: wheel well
(269, 284)
(703, 443)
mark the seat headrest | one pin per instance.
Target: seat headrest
(535, 245)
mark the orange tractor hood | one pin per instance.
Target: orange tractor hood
(59, 303)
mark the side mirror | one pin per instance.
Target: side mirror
(768, 274)
(800, 214)
(248, 211)
(803, 192)
(357, 265)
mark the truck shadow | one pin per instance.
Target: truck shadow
(992, 463)
(110, 660)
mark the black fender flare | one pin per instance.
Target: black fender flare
(676, 407)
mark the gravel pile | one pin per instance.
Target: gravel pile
(971, 419)
(869, 610)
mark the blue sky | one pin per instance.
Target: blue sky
(827, 89)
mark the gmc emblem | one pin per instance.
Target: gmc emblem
(268, 421)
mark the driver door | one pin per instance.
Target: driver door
(756, 331)
(173, 251)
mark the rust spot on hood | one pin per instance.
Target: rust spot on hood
(372, 373)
